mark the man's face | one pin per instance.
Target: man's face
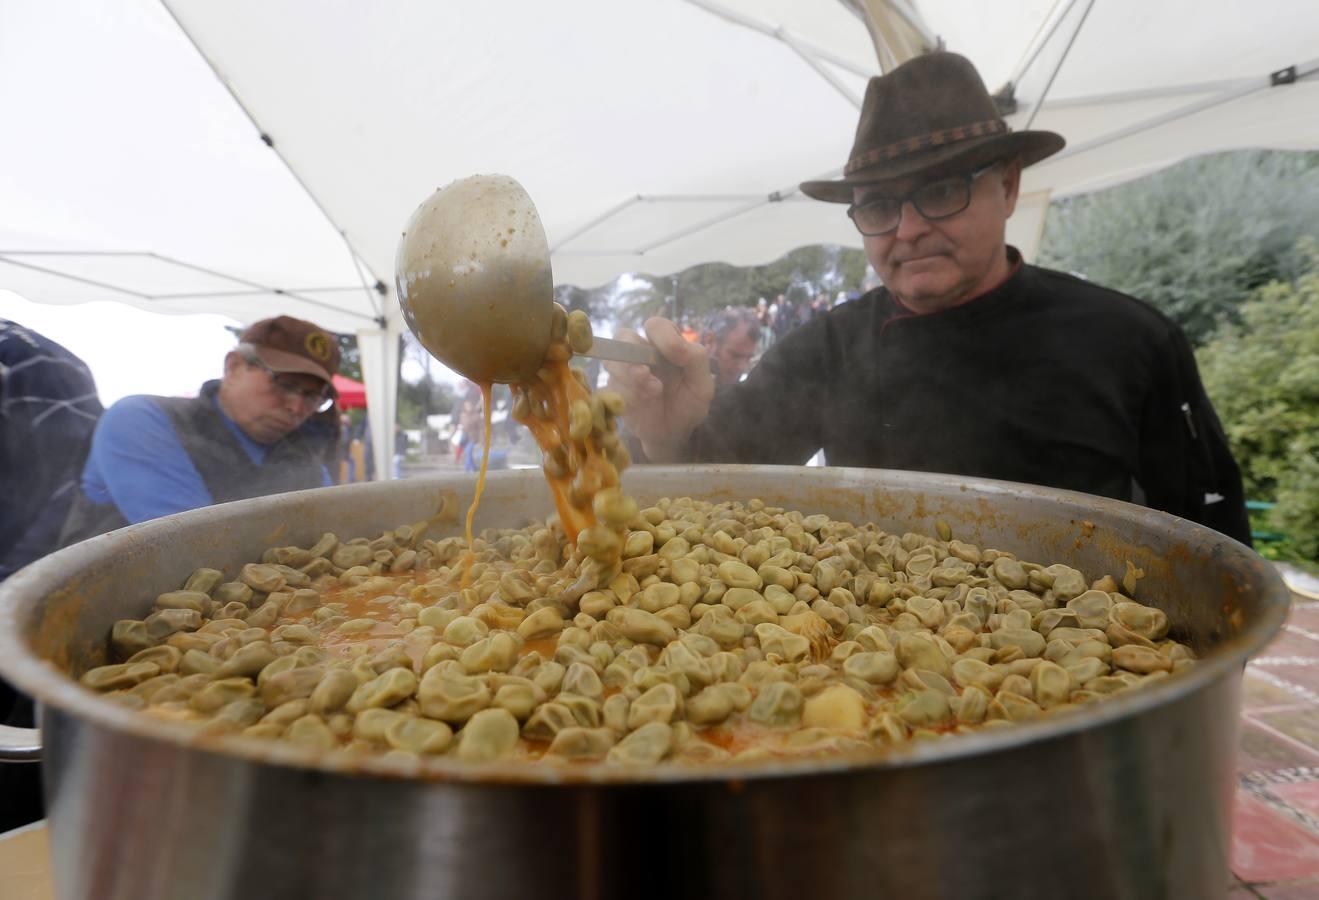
(733, 354)
(936, 264)
(262, 407)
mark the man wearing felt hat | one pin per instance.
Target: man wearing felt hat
(967, 360)
(247, 434)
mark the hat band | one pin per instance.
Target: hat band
(925, 142)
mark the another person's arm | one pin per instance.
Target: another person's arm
(662, 414)
(1186, 467)
(774, 416)
(137, 463)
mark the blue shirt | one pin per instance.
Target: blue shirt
(138, 463)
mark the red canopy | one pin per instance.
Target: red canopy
(352, 394)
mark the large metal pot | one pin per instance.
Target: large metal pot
(1129, 799)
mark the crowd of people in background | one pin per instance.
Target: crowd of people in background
(784, 314)
(736, 336)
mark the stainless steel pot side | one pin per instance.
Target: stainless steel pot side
(1130, 798)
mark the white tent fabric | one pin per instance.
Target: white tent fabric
(653, 134)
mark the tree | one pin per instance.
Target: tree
(350, 358)
(1195, 239)
(1263, 375)
(422, 398)
(700, 290)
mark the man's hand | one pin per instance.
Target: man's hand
(663, 410)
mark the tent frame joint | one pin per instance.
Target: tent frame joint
(1283, 76)
(1005, 98)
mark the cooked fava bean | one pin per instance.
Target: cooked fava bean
(579, 331)
(451, 698)
(582, 743)
(659, 633)
(496, 653)
(294, 684)
(835, 708)
(879, 667)
(385, 690)
(311, 732)
(116, 677)
(422, 736)
(333, 692)
(646, 746)
(488, 735)
(778, 704)
(220, 693)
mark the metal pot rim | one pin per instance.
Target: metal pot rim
(52, 687)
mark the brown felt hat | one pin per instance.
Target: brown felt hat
(286, 344)
(929, 113)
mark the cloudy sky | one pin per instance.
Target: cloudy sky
(131, 351)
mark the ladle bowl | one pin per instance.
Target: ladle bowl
(475, 283)
(474, 280)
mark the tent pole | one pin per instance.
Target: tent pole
(379, 349)
(603, 217)
(78, 278)
(256, 289)
(819, 68)
(1303, 71)
(776, 32)
(1158, 93)
(265, 136)
(1041, 39)
(1062, 58)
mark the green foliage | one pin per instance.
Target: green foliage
(425, 397)
(350, 358)
(1262, 373)
(1194, 239)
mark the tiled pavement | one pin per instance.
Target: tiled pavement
(1276, 850)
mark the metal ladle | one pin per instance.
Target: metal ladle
(474, 282)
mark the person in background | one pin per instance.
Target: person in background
(471, 419)
(731, 337)
(48, 409)
(968, 360)
(786, 318)
(245, 435)
(401, 444)
(766, 323)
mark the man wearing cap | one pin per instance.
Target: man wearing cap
(967, 360)
(245, 435)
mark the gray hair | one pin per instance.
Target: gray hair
(723, 323)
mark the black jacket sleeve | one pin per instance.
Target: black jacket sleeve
(776, 415)
(1186, 467)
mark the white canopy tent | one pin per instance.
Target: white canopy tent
(653, 134)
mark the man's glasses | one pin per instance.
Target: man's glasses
(940, 199)
(311, 399)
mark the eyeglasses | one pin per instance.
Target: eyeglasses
(311, 399)
(940, 199)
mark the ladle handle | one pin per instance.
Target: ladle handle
(624, 351)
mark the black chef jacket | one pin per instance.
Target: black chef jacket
(1047, 379)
